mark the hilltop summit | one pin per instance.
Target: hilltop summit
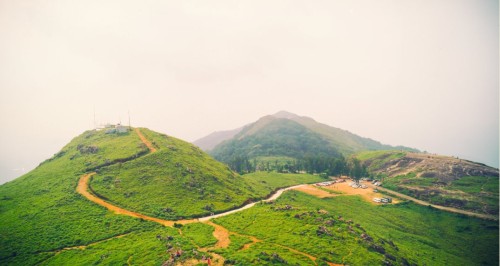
(285, 114)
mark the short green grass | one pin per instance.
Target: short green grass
(264, 183)
(200, 234)
(137, 248)
(378, 158)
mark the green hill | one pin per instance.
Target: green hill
(42, 214)
(41, 211)
(275, 137)
(177, 181)
(341, 140)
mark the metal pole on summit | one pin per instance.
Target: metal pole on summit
(129, 126)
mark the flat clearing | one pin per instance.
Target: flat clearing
(340, 189)
(315, 191)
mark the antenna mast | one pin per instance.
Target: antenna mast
(95, 126)
(129, 127)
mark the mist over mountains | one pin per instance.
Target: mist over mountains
(285, 128)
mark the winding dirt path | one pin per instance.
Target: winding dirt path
(220, 233)
(145, 140)
(82, 189)
(57, 251)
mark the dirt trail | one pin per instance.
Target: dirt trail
(248, 245)
(145, 140)
(57, 251)
(306, 255)
(220, 233)
(82, 189)
(449, 209)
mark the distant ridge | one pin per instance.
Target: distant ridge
(263, 138)
(209, 142)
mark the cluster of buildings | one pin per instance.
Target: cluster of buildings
(114, 129)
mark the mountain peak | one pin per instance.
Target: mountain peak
(285, 114)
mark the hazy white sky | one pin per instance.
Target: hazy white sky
(423, 74)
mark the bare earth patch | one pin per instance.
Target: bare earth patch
(313, 190)
(344, 189)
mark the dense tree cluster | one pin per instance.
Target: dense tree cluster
(282, 138)
(285, 146)
(330, 166)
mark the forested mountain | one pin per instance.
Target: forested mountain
(278, 137)
(293, 137)
(341, 140)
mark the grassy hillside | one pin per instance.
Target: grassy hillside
(437, 179)
(400, 234)
(45, 221)
(41, 212)
(177, 181)
(263, 183)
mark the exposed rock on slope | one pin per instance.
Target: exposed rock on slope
(444, 168)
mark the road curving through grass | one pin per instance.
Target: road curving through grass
(220, 233)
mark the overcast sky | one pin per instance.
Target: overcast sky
(423, 74)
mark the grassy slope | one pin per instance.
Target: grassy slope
(419, 234)
(41, 210)
(474, 193)
(378, 158)
(142, 247)
(178, 176)
(263, 183)
(179, 180)
(344, 140)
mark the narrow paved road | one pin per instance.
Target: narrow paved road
(425, 203)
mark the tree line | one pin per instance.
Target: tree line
(329, 166)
